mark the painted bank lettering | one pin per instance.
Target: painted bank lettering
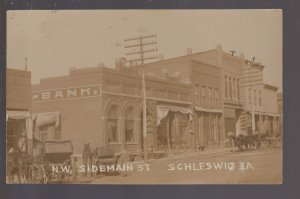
(66, 93)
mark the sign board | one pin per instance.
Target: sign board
(66, 93)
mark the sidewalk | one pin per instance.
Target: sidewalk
(171, 156)
(209, 152)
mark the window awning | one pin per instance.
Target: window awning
(267, 114)
(17, 115)
(47, 118)
(209, 110)
(162, 112)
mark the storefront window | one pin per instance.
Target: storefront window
(112, 124)
(129, 125)
(57, 132)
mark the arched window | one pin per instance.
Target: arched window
(112, 124)
(129, 125)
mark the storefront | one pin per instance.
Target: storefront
(174, 132)
(19, 131)
(208, 127)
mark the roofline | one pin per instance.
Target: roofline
(20, 70)
(174, 58)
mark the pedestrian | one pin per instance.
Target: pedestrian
(74, 170)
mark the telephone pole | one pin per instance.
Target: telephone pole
(138, 49)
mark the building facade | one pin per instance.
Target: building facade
(193, 102)
(103, 106)
(18, 106)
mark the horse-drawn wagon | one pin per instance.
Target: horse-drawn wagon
(56, 161)
(102, 157)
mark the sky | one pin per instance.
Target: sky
(55, 41)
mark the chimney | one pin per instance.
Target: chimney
(120, 62)
(189, 51)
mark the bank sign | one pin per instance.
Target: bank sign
(66, 93)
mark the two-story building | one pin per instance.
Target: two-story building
(18, 106)
(193, 101)
(206, 101)
(103, 106)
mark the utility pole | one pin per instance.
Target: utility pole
(252, 77)
(140, 51)
(222, 92)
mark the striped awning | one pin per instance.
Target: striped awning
(17, 115)
(46, 118)
(162, 112)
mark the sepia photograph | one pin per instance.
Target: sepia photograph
(144, 97)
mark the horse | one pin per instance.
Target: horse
(246, 142)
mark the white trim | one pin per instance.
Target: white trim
(71, 98)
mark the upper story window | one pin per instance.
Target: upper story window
(217, 97)
(203, 95)
(238, 89)
(230, 88)
(259, 98)
(196, 94)
(210, 101)
(233, 88)
(226, 87)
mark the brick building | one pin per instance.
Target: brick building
(18, 106)
(206, 101)
(225, 73)
(193, 101)
(103, 106)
